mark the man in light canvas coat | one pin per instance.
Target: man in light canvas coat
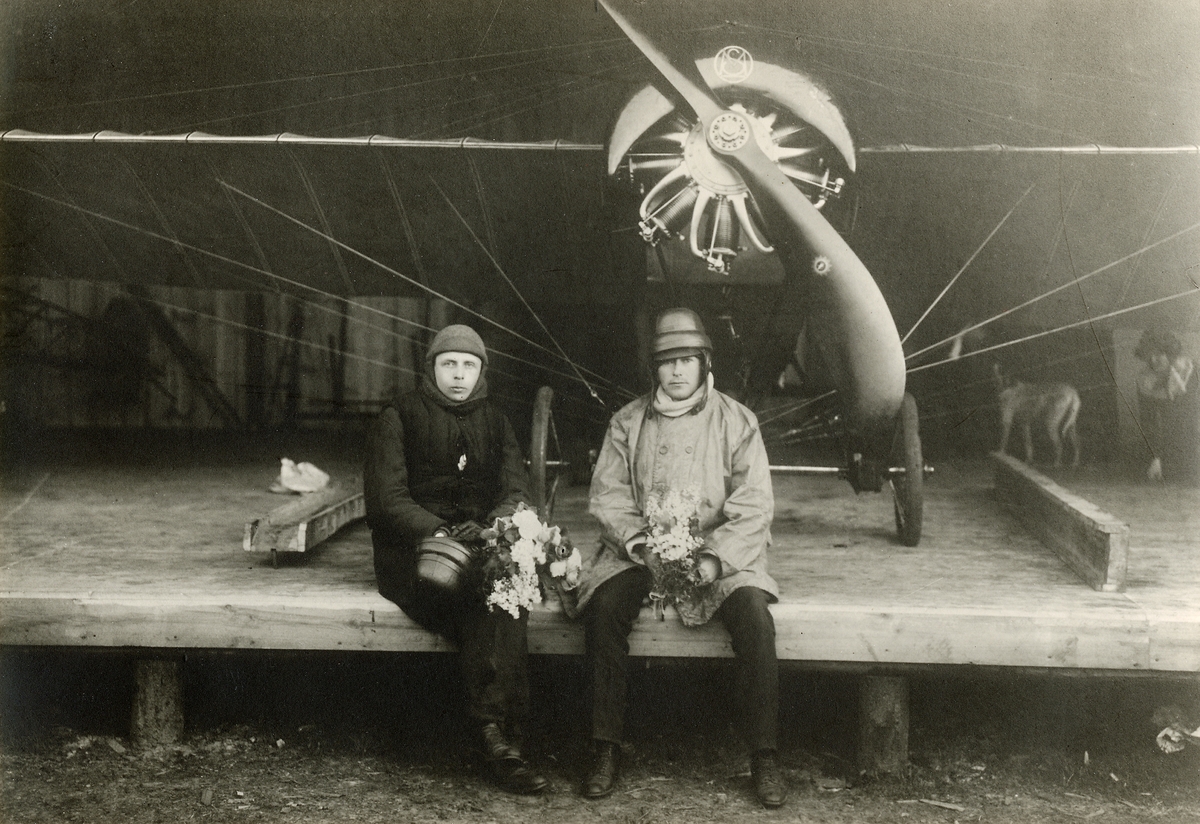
(684, 434)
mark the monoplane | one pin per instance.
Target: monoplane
(743, 168)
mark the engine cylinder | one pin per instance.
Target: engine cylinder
(725, 235)
(676, 209)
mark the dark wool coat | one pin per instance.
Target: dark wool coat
(432, 462)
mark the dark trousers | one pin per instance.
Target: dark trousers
(608, 620)
(1169, 427)
(492, 653)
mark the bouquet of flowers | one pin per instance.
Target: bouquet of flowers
(673, 541)
(519, 549)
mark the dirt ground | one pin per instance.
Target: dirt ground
(367, 738)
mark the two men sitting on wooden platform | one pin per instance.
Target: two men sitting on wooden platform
(442, 457)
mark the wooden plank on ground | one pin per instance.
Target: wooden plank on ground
(302, 524)
(1092, 542)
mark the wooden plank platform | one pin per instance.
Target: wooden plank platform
(129, 555)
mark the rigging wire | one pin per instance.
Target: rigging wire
(1055, 290)
(1005, 120)
(835, 42)
(268, 274)
(992, 404)
(1087, 310)
(442, 104)
(197, 279)
(982, 78)
(484, 210)
(311, 192)
(1133, 270)
(975, 254)
(796, 407)
(813, 423)
(410, 234)
(509, 107)
(999, 124)
(488, 30)
(236, 208)
(350, 95)
(1040, 366)
(605, 42)
(1063, 328)
(1060, 232)
(407, 279)
(561, 352)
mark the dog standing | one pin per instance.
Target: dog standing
(1055, 406)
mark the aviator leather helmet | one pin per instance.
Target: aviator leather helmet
(678, 333)
(442, 563)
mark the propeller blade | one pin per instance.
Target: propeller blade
(685, 78)
(785, 132)
(636, 165)
(788, 152)
(646, 107)
(846, 304)
(800, 174)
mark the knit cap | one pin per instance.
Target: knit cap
(458, 338)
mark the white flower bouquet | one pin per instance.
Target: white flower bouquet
(674, 541)
(519, 549)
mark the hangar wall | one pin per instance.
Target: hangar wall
(89, 353)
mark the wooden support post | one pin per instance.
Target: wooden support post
(883, 724)
(158, 703)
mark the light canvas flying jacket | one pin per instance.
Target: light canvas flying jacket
(716, 447)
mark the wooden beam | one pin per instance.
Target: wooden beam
(1092, 542)
(302, 524)
(1112, 637)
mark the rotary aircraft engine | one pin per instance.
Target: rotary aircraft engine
(700, 198)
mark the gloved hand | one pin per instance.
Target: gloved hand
(637, 548)
(708, 569)
(466, 531)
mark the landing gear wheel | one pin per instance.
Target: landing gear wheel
(544, 455)
(908, 495)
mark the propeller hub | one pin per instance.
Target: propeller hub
(707, 168)
(728, 132)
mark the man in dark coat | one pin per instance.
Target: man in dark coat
(443, 460)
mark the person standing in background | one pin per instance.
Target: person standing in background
(1166, 406)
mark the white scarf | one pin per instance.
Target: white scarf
(665, 405)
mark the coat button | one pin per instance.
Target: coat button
(662, 450)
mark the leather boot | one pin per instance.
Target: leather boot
(768, 779)
(505, 764)
(606, 768)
